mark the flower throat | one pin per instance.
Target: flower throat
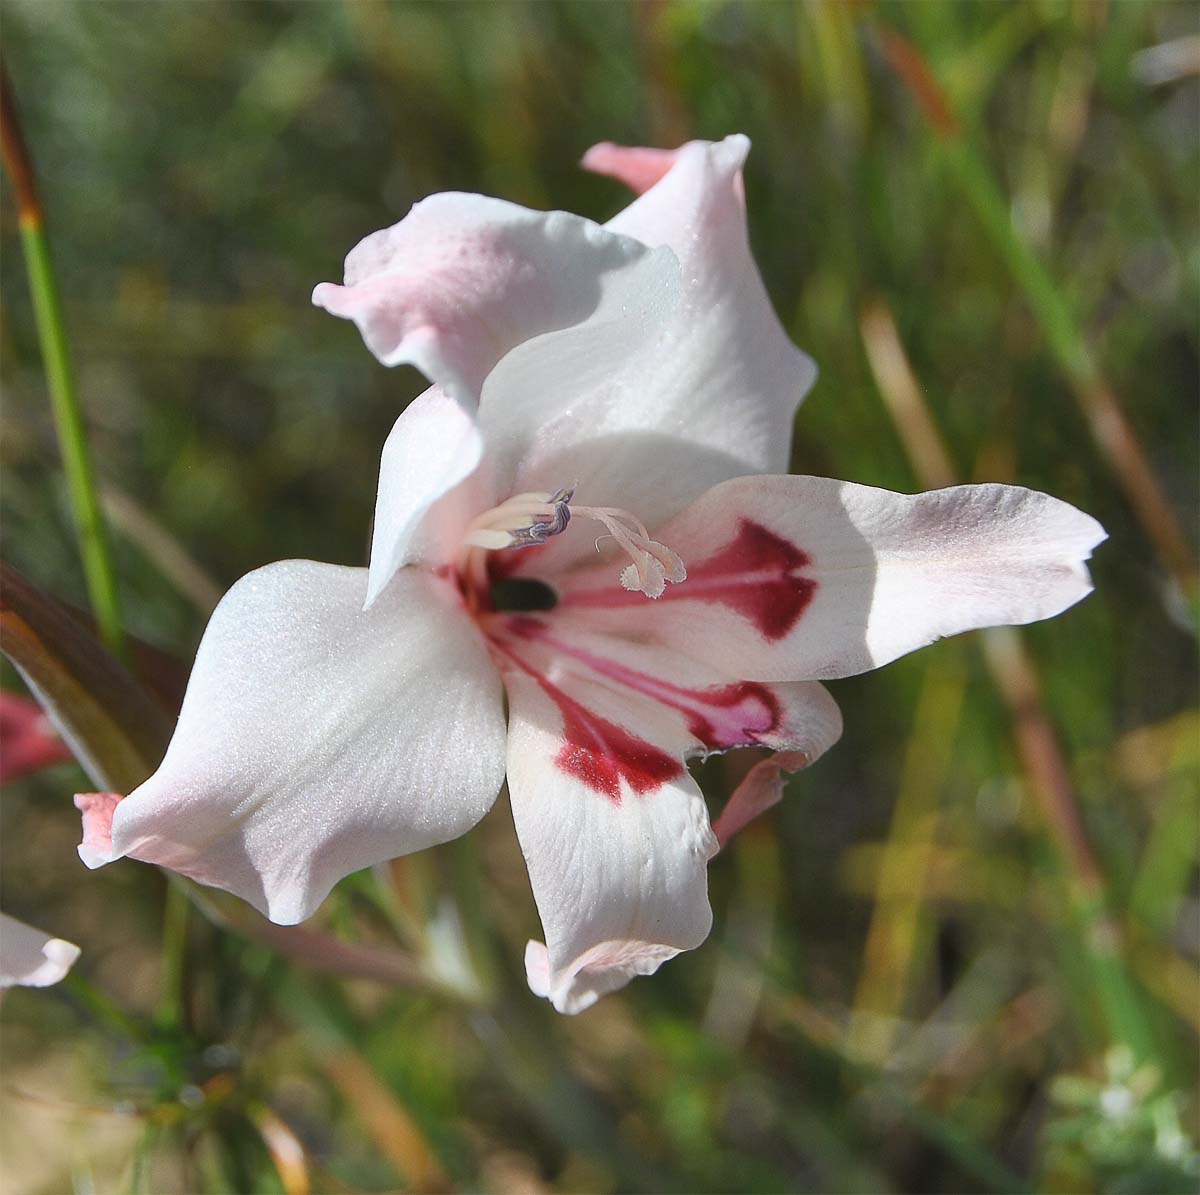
(529, 520)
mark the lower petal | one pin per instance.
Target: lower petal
(317, 738)
(615, 835)
(699, 709)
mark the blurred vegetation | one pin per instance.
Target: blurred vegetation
(911, 985)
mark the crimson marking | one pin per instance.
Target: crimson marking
(749, 711)
(758, 574)
(597, 752)
(720, 716)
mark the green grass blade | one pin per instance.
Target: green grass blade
(90, 527)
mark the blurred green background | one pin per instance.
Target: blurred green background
(909, 986)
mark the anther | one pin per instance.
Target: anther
(523, 521)
(529, 520)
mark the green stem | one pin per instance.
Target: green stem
(1049, 306)
(1106, 419)
(60, 381)
(1107, 422)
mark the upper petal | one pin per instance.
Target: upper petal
(803, 577)
(317, 738)
(648, 423)
(30, 958)
(739, 359)
(639, 168)
(463, 278)
(435, 474)
(432, 449)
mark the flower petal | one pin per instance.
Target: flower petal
(30, 958)
(96, 810)
(638, 168)
(28, 741)
(614, 831)
(431, 482)
(432, 448)
(734, 351)
(648, 423)
(803, 577)
(463, 278)
(316, 739)
(760, 789)
(613, 828)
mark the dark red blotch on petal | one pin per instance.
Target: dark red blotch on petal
(758, 574)
(597, 752)
(601, 754)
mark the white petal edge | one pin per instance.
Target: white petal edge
(433, 447)
(31, 958)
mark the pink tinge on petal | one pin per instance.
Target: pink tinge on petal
(28, 742)
(31, 958)
(758, 574)
(760, 788)
(638, 168)
(462, 279)
(641, 167)
(97, 809)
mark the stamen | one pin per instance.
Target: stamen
(522, 522)
(529, 520)
(654, 564)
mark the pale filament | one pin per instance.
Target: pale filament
(528, 520)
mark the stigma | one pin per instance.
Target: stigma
(529, 520)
